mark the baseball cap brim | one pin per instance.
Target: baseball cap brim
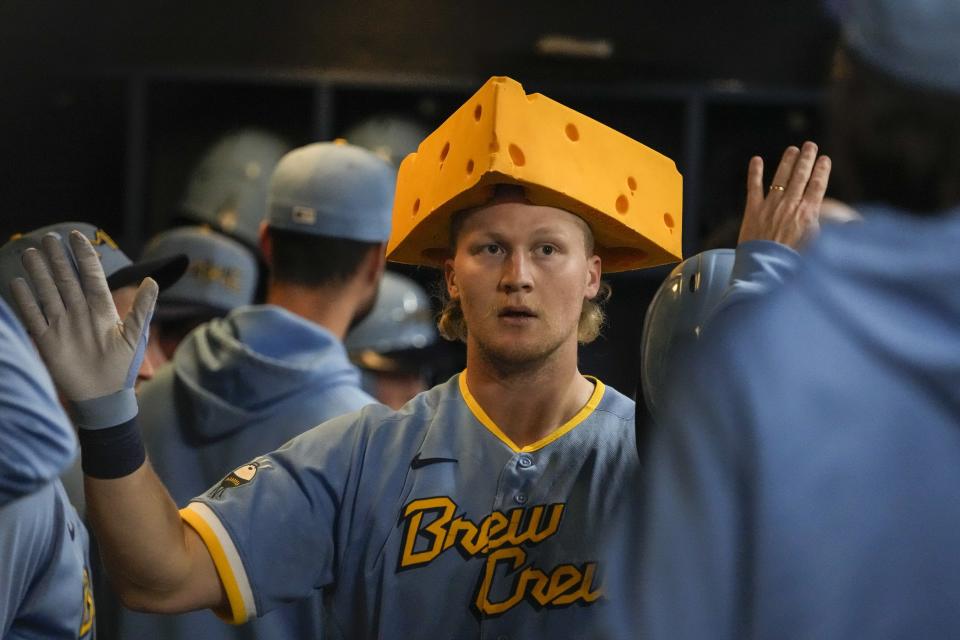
(413, 360)
(165, 271)
(173, 310)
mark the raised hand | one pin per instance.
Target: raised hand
(89, 351)
(789, 211)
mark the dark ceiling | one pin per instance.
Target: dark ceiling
(77, 145)
(772, 42)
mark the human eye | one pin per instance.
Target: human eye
(547, 249)
(490, 249)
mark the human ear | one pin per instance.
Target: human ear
(377, 264)
(450, 277)
(263, 240)
(593, 273)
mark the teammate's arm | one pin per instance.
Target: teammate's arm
(777, 223)
(156, 561)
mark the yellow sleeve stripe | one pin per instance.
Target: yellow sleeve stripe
(566, 427)
(226, 559)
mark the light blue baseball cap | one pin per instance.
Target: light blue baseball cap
(915, 41)
(120, 270)
(228, 186)
(221, 276)
(333, 189)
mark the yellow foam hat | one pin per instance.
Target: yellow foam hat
(630, 195)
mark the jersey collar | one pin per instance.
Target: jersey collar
(557, 433)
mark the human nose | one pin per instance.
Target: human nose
(146, 370)
(516, 273)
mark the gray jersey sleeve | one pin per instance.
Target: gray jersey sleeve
(45, 589)
(25, 541)
(760, 267)
(695, 528)
(44, 582)
(265, 518)
(36, 439)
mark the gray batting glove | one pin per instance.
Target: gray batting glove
(92, 355)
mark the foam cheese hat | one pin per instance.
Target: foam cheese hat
(630, 195)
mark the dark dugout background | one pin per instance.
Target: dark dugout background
(104, 109)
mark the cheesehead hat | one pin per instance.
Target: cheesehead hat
(630, 195)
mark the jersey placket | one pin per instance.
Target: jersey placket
(516, 489)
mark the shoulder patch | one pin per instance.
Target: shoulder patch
(238, 477)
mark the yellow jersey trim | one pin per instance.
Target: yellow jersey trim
(238, 613)
(566, 427)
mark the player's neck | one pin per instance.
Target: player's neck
(330, 307)
(529, 404)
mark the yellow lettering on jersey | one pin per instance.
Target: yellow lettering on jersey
(500, 537)
(494, 531)
(436, 531)
(515, 556)
(566, 585)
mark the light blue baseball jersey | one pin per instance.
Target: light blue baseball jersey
(237, 387)
(427, 522)
(45, 587)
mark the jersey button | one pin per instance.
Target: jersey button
(525, 461)
(520, 498)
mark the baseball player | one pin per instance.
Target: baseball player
(477, 510)
(245, 384)
(123, 277)
(819, 499)
(704, 285)
(45, 582)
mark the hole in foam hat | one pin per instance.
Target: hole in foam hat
(668, 220)
(416, 206)
(622, 204)
(469, 167)
(516, 154)
(572, 132)
(477, 112)
(444, 151)
(632, 183)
